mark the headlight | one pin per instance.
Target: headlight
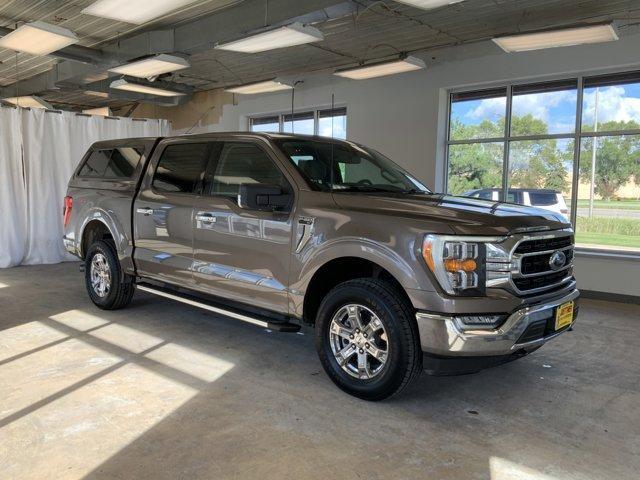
(458, 263)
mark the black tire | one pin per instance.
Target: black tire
(404, 360)
(122, 287)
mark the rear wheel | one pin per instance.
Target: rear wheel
(367, 339)
(108, 288)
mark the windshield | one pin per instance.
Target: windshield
(340, 167)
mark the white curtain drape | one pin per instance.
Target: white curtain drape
(13, 194)
(52, 144)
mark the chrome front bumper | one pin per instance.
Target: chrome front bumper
(443, 335)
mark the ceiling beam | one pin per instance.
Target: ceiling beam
(82, 65)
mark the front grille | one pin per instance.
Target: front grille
(548, 280)
(540, 263)
(544, 244)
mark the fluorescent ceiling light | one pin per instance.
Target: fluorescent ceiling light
(557, 38)
(102, 111)
(134, 11)
(429, 4)
(138, 88)
(287, 36)
(38, 38)
(27, 102)
(382, 69)
(151, 67)
(259, 87)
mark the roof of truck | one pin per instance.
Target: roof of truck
(270, 135)
(210, 135)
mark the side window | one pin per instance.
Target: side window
(96, 164)
(123, 162)
(241, 163)
(181, 167)
(485, 195)
(514, 197)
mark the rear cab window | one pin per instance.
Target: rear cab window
(112, 163)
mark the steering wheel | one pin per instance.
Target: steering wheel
(364, 182)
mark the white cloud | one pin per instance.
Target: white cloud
(613, 105)
(539, 104)
(489, 108)
(557, 108)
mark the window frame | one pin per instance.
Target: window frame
(316, 111)
(582, 81)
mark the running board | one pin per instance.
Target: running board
(278, 326)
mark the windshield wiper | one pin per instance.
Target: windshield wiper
(366, 188)
(412, 191)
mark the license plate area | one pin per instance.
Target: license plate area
(564, 315)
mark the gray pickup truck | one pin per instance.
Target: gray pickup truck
(286, 231)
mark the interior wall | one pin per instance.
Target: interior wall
(404, 116)
(202, 110)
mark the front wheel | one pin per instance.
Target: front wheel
(367, 339)
(107, 286)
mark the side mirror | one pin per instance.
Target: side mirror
(258, 196)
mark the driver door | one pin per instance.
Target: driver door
(242, 254)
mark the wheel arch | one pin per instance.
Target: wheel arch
(94, 229)
(341, 269)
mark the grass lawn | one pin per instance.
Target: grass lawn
(608, 239)
(617, 232)
(620, 205)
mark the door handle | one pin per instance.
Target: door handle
(205, 218)
(145, 211)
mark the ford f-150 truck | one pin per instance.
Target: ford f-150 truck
(286, 231)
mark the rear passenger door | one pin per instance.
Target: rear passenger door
(242, 254)
(163, 211)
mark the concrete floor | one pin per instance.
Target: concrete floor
(162, 390)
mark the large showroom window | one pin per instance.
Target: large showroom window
(571, 146)
(326, 123)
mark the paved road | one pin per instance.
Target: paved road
(610, 212)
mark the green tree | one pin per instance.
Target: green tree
(473, 166)
(617, 159)
(538, 163)
(533, 164)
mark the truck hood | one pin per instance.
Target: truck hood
(464, 216)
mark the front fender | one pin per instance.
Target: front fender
(405, 273)
(403, 265)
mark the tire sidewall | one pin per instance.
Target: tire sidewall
(114, 267)
(391, 377)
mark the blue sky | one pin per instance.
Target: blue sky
(557, 109)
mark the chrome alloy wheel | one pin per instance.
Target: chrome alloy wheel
(359, 341)
(100, 275)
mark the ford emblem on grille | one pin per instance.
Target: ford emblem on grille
(557, 260)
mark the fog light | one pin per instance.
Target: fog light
(480, 321)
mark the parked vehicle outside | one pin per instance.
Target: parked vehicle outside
(533, 197)
(286, 231)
